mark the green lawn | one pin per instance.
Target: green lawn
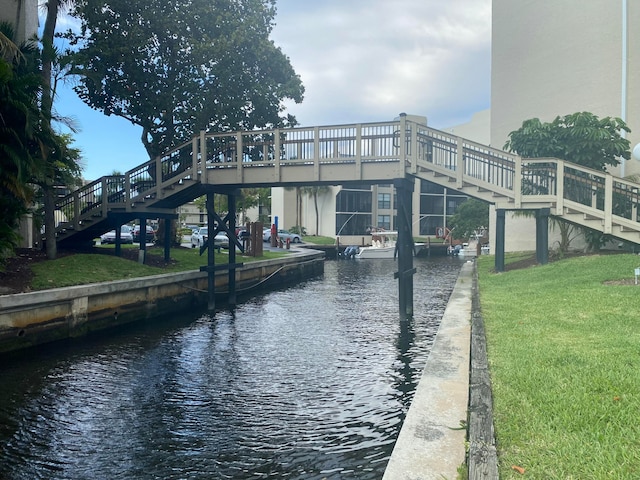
(80, 269)
(564, 357)
(319, 240)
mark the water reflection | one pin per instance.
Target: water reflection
(308, 382)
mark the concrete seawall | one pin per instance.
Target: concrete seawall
(29, 319)
(431, 444)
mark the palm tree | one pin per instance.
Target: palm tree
(19, 132)
(48, 56)
(314, 192)
(9, 51)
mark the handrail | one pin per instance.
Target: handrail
(406, 147)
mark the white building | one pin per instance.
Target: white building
(23, 15)
(551, 58)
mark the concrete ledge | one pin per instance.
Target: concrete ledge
(29, 319)
(431, 444)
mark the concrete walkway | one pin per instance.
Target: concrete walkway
(431, 444)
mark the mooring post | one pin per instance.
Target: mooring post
(211, 254)
(142, 241)
(118, 240)
(542, 235)
(405, 247)
(231, 201)
(168, 224)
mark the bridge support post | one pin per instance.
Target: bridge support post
(211, 254)
(118, 239)
(231, 201)
(142, 240)
(168, 223)
(542, 236)
(405, 247)
(218, 225)
(500, 235)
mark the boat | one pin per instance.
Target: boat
(383, 245)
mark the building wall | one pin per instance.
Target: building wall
(553, 58)
(326, 213)
(477, 129)
(190, 214)
(24, 14)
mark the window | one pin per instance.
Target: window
(431, 204)
(353, 201)
(352, 224)
(453, 203)
(384, 201)
(429, 187)
(430, 223)
(384, 221)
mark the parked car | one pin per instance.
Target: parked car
(151, 235)
(282, 234)
(125, 236)
(199, 238)
(221, 240)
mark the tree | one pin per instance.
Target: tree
(580, 138)
(53, 152)
(314, 192)
(471, 218)
(179, 67)
(251, 197)
(264, 205)
(19, 133)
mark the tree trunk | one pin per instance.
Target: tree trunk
(300, 217)
(50, 222)
(46, 108)
(48, 55)
(315, 204)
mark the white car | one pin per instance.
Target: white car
(199, 238)
(283, 235)
(126, 236)
(221, 240)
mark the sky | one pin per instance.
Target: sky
(359, 60)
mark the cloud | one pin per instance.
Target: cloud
(370, 60)
(360, 61)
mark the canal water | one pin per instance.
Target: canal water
(308, 382)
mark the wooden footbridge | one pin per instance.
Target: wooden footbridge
(386, 152)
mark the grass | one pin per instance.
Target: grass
(319, 240)
(81, 269)
(564, 357)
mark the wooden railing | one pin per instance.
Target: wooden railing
(401, 147)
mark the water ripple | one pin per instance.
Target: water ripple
(309, 382)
